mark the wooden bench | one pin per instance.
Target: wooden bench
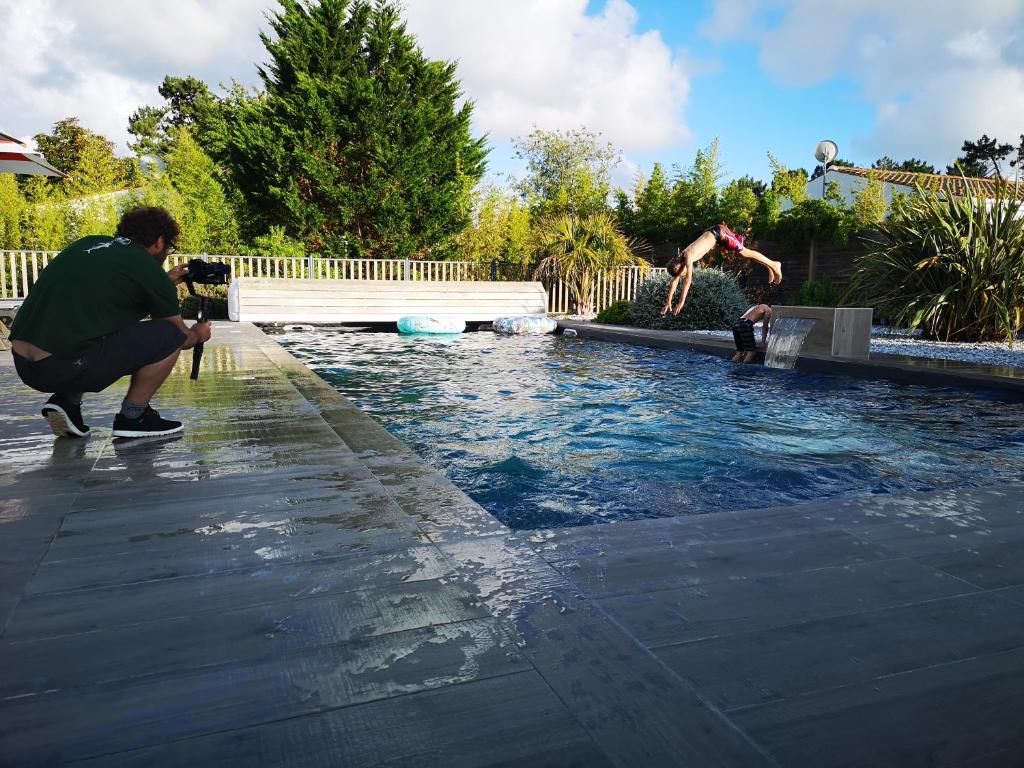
(839, 332)
(268, 299)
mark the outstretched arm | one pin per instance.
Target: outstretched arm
(687, 275)
(671, 291)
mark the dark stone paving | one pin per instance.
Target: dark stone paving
(287, 584)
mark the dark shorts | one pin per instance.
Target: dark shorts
(743, 335)
(107, 360)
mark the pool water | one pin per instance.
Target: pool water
(551, 431)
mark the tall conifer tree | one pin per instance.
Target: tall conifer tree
(359, 145)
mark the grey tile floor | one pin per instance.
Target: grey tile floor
(287, 584)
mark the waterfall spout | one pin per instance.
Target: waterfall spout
(785, 341)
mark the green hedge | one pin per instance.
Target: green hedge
(714, 302)
(616, 313)
(218, 309)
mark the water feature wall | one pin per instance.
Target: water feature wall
(785, 341)
(843, 332)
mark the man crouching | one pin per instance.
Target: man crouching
(81, 327)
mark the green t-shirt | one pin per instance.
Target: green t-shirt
(95, 286)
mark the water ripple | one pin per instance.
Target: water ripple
(547, 431)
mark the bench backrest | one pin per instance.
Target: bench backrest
(267, 299)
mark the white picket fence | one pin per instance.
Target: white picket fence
(20, 269)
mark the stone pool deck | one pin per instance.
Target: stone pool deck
(286, 584)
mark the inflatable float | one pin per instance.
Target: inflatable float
(424, 324)
(525, 325)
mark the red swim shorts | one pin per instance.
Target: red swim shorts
(728, 239)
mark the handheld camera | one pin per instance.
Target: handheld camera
(204, 273)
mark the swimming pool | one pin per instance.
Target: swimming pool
(551, 431)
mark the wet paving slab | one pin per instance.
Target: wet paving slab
(288, 584)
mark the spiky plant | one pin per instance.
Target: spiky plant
(951, 266)
(577, 249)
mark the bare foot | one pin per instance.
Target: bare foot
(776, 276)
(665, 310)
(736, 357)
(749, 357)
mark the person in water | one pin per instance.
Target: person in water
(743, 332)
(681, 267)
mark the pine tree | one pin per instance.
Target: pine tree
(358, 145)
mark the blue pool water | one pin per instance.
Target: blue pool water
(550, 431)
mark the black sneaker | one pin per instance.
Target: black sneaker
(65, 417)
(149, 424)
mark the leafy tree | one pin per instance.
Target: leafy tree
(189, 103)
(981, 158)
(653, 215)
(869, 206)
(500, 232)
(577, 249)
(277, 244)
(738, 205)
(756, 186)
(695, 194)
(208, 223)
(788, 184)
(913, 165)
(86, 156)
(812, 221)
(12, 209)
(46, 224)
(567, 172)
(358, 145)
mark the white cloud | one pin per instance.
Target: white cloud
(524, 62)
(937, 71)
(550, 64)
(99, 60)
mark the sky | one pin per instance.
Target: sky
(659, 79)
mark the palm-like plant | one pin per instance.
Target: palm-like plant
(578, 249)
(952, 266)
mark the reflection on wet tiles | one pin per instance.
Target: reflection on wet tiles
(190, 703)
(169, 646)
(50, 614)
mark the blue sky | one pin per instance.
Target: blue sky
(732, 98)
(657, 78)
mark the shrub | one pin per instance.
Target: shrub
(616, 313)
(714, 302)
(817, 293)
(948, 265)
(218, 308)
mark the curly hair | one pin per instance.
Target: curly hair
(145, 223)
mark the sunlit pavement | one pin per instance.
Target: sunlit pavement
(286, 584)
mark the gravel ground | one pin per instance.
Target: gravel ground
(894, 341)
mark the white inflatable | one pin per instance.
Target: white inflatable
(525, 325)
(423, 324)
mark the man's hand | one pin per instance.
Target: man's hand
(202, 331)
(177, 274)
